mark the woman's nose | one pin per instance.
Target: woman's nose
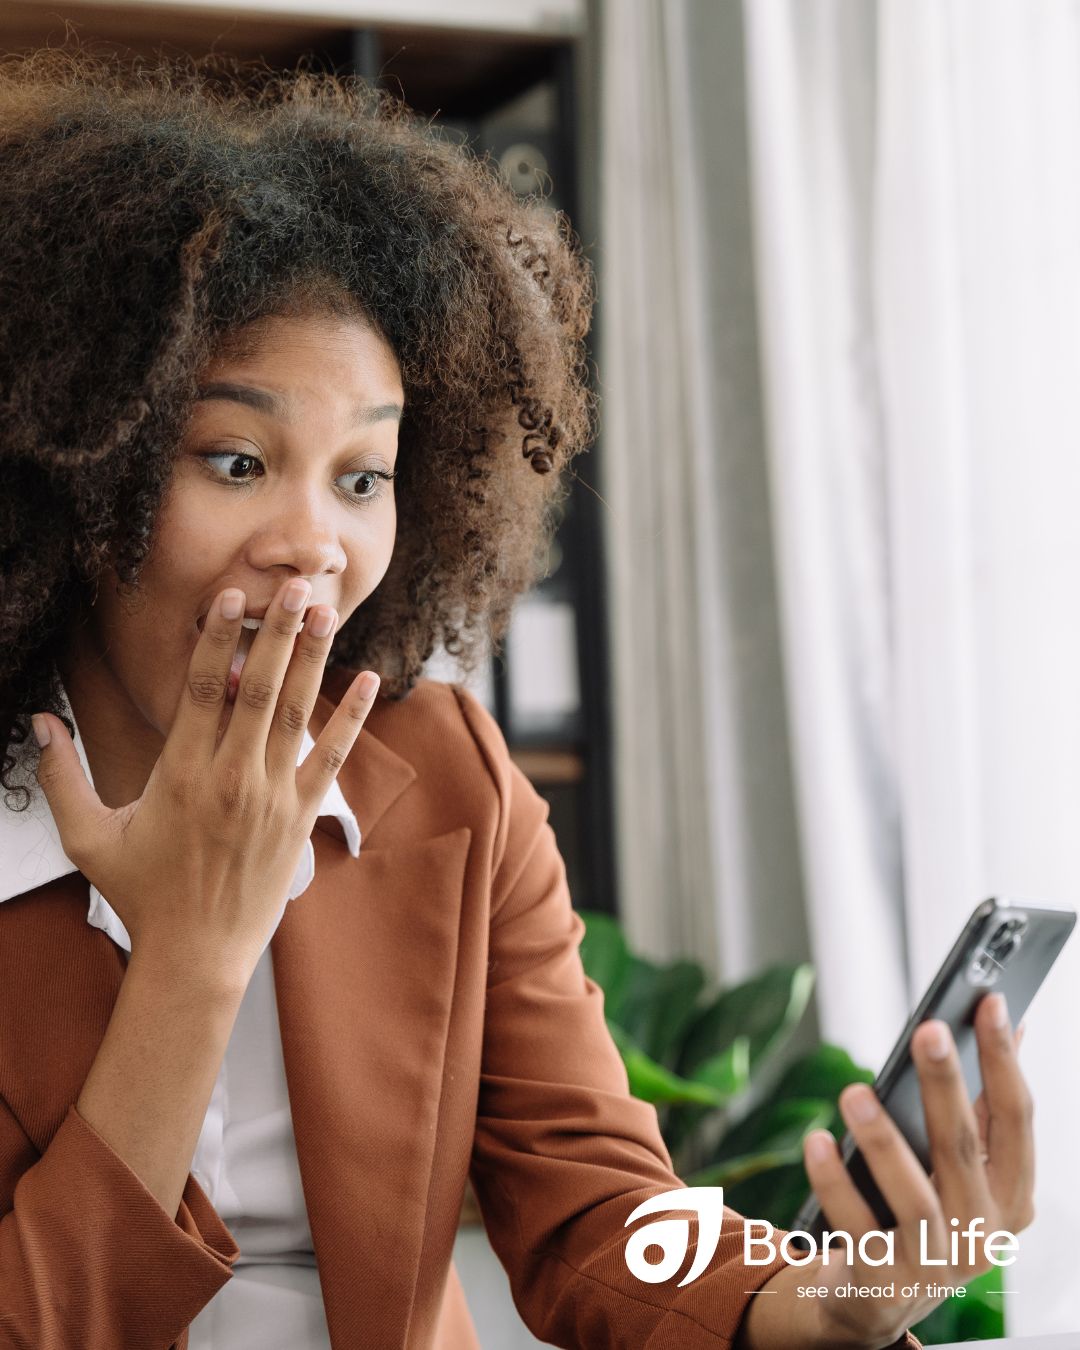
(297, 538)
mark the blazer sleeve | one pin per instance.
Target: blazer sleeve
(562, 1152)
(89, 1260)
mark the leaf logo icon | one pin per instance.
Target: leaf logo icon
(672, 1236)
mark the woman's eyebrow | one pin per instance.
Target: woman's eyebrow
(264, 401)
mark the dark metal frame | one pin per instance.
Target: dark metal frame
(580, 534)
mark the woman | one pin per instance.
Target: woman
(288, 382)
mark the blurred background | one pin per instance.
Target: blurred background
(801, 685)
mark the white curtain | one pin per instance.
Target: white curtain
(811, 98)
(847, 646)
(917, 205)
(708, 851)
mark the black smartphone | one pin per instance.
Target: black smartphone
(1004, 948)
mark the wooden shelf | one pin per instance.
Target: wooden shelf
(455, 73)
(550, 767)
(278, 39)
(556, 19)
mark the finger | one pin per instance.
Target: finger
(982, 1112)
(320, 768)
(1010, 1143)
(303, 680)
(77, 809)
(951, 1125)
(263, 674)
(900, 1176)
(193, 734)
(839, 1197)
(982, 1121)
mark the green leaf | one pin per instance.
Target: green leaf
(605, 956)
(657, 1003)
(774, 1126)
(765, 1009)
(652, 1003)
(652, 1082)
(737, 1170)
(824, 1072)
(779, 1146)
(728, 1073)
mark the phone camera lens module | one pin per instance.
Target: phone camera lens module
(989, 961)
(1006, 939)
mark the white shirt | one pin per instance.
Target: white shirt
(245, 1158)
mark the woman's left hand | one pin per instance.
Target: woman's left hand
(983, 1168)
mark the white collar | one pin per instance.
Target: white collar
(32, 855)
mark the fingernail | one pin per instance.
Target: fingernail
(321, 622)
(819, 1146)
(296, 596)
(367, 685)
(41, 730)
(936, 1040)
(861, 1106)
(232, 604)
(999, 1011)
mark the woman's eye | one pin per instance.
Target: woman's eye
(368, 481)
(244, 458)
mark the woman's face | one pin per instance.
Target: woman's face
(281, 474)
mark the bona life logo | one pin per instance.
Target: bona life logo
(672, 1236)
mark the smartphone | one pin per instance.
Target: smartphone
(1004, 948)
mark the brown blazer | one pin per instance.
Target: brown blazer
(435, 1023)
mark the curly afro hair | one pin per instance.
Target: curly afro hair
(151, 210)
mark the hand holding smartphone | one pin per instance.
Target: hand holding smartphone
(1005, 948)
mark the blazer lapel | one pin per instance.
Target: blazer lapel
(364, 966)
(371, 784)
